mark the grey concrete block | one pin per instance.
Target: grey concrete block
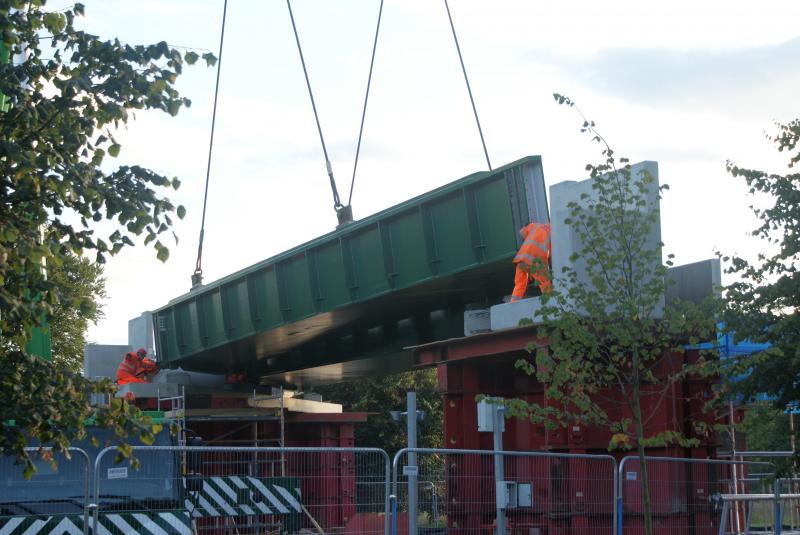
(140, 333)
(694, 282)
(182, 377)
(177, 377)
(564, 239)
(508, 315)
(101, 360)
(150, 390)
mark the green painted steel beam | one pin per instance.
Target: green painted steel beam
(402, 275)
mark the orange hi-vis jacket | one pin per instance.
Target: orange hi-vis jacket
(535, 247)
(536, 244)
(132, 370)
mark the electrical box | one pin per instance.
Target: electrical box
(486, 409)
(513, 495)
(485, 417)
(524, 495)
(506, 494)
(477, 321)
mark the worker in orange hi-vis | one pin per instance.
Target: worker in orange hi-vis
(146, 366)
(532, 260)
(135, 368)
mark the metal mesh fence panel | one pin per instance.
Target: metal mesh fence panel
(688, 496)
(790, 506)
(770, 512)
(759, 510)
(243, 490)
(53, 499)
(538, 493)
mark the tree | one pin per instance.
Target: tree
(606, 342)
(81, 286)
(378, 395)
(65, 94)
(762, 305)
(766, 428)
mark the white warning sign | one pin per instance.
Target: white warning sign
(118, 473)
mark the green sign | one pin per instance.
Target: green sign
(39, 344)
(4, 55)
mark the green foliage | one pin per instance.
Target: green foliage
(762, 304)
(81, 287)
(606, 341)
(63, 102)
(49, 404)
(379, 395)
(66, 101)
(767, 429)
(605, 324)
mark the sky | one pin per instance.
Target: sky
(688, 84)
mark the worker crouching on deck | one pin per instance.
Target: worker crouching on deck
(532, 260)
(136, 368)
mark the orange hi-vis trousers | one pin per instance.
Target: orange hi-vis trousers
(523, 274)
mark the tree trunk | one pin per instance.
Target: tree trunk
(637, 419)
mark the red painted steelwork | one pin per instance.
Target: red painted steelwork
(479, 345)
(485, 364)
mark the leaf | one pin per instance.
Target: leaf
(54, 22)
(181, 211)
(28, 471)
(173, 107)
(113, 150)
(210, 59)
(163, 254)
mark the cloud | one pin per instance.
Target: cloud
(722, 80)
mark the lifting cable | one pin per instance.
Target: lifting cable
(337, 203)
(469, 90)
(366, 98)
(197, 277)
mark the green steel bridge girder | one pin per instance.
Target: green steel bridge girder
(397, 278)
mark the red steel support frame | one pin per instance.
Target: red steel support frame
(484, 364)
